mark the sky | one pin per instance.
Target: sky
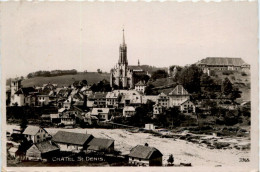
(86, 35)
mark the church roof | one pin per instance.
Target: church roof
(223, 61)
(179, 90)
(135, 68)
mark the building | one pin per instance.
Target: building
(42, 150)
(19, 97)
(177, 96)
(140, 87)
(43, 100)
(101, 145)
(163, 100)
(13, 151)
(14, 86)
(187, 107)
(99, 99)
(157, 109)
(128, 111)
(103, 114)
(145, 156)
(223, 63)
(71, 142)
(35, 134)
(121, 76)
(112, 99)
(124, 76)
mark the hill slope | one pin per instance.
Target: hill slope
(65, 80)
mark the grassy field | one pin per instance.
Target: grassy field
(65, 80)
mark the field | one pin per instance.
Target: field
(65, 80)
(183, 151)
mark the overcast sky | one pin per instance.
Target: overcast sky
(86, 36)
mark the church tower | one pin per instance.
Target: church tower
(121, 75)
(123, 52)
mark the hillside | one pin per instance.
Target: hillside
(65, 80)
(238, 79)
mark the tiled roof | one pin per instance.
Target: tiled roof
(99, 143)
(71, 138)
(46, 146)
(179, 90)
(224, 61)
(144, 152)
(31, 130)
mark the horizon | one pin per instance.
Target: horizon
(85, 36)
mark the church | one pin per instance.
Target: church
(123, 76)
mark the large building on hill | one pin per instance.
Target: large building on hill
(223, 63)
(123, 75)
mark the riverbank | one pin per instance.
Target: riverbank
(182, 150)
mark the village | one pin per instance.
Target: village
(197, 106)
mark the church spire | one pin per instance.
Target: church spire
(123, 36)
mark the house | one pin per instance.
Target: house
(43, 100)
(131, 100)
(72, 142)
(35, 134)
(157, 109)
(99, 99)
(67, 103)
(145, 156)
(128, 111)
(42, 150)
(187, 107)
(55, 118)
(163, 100)
(177, 96)
(19, 96)
(223, 63)
(103, 114)
(101, 145)
(13, 151)
(91, 120)
(140, 87)
(112, 99)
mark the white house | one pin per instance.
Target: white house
(157, 109)
(102, 114)
(178, 95)
(35, 134)
(187, 107)
(140, 86)
(128, 111)
(43, 100)
(163, 100)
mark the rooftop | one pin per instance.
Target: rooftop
(225, 61)
(71, 138)
(144, 152)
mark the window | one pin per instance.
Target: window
(132, 158)
(139, 159)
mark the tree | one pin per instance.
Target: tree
(159, 74)
(190, 78)
(23, 124)
(235, 94)
(227, 86)
(99, 71)
(170, 159)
